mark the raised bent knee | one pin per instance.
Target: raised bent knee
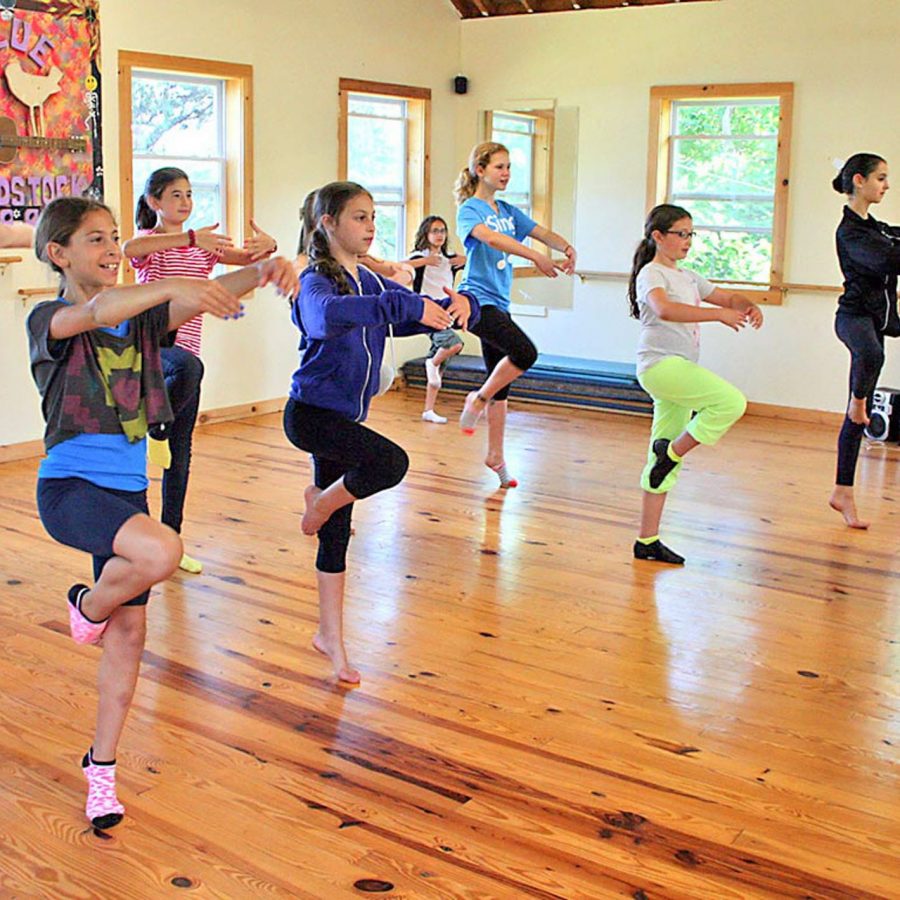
(160, 555)
(524, 357)
(397, 467)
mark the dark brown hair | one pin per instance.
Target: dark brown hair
(144, 217)
(859, 164)
(330, 201)
(660, 218)
(421, 240)
(59, 220)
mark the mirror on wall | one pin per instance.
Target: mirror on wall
(543, 140)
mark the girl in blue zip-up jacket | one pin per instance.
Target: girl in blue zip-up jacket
(343, 312)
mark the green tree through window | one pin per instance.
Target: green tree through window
(722, 167)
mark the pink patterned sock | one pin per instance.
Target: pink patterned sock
(102, 808)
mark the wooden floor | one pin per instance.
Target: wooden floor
(540, 716)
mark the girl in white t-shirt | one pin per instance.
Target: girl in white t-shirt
(667, 300)
(435, 267)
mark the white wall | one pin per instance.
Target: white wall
(298, 49)
(844, 64)
(843, 61)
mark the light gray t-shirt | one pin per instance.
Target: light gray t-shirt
(660, 339)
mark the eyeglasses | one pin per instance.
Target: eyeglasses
(684, 235)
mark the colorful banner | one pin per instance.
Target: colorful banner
(50, 129)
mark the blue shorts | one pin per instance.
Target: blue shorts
(80, 514)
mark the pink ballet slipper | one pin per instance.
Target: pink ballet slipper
(83, 630)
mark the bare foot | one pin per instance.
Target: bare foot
(843, 502)
(856, 411)
(312, 521)
(338, 656)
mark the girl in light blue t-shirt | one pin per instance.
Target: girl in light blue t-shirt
(492, 230)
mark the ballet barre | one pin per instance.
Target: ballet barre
(586, 274)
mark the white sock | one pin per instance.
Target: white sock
(431, 416)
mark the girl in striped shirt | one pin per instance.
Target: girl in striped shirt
(163, 248)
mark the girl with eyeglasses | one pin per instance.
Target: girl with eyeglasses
(666, 300)
(435, 267)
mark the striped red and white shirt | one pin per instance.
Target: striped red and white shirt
(178, 262)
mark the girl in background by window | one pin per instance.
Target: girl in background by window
(162, 248)
(95, 360)
(491, 230)
(666, 301)
(343, 312)
(435, 267)
(869, 254)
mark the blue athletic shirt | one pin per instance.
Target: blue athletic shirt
(489, 273)
(107, 460)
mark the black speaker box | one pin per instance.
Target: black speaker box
(884, 420)
(461, 84)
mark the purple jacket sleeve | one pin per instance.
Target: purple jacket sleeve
(325, 313)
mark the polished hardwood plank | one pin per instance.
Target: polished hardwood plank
(540, 716)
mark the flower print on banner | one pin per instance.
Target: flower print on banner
(50, 127)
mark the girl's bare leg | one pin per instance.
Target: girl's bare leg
(329, 639)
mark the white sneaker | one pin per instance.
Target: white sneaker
(432, 373)
(431, 416)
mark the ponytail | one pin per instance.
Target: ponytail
(144, 217)
(467, 181)
(644, 254)
(321, 260)
(660, 218)
(863, 164)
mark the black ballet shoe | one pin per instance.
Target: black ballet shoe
(657, 552)
(664, 463)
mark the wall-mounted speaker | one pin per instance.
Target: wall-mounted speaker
(461, 84)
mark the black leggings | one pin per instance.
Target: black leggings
(866, 346)
(340, 447)
(501, 337)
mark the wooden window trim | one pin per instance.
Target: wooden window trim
(238, 140)
(418, 148)
(661, 99)
(541, 173)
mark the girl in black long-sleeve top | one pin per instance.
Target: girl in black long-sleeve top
(869, 255)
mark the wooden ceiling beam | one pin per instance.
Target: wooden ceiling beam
(478, 9)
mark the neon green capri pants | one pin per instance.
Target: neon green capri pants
(680, 387)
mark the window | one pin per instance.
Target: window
(193, 114)
(529, 138)
(722, 152)
(180, 121)
(383, 145)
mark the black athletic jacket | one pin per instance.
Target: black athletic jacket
(869, 254)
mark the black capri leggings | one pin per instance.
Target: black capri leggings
(866, 345)
(501, 337)
(340, 447)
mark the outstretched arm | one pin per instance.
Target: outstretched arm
(672, 311)
(734, 300)
(556, 242)
(506, 244)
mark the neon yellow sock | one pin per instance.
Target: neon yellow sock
(673, 455)
(189, 564)
(159, 453)
(648, 541)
